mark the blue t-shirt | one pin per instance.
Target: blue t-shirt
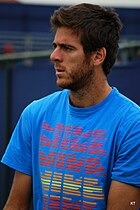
(73, 153)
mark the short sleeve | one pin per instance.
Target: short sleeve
(127, 165)
(18, 154)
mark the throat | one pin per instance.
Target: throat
(87, 98)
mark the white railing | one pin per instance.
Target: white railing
(26, 41)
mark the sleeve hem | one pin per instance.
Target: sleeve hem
(17, 167)
(126, 181)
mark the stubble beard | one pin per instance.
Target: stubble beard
(81, 78)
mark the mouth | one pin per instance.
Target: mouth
(59, 72)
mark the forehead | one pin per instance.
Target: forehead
(66, 35)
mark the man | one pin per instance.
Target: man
(78, 148)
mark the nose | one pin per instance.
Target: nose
(56, 55)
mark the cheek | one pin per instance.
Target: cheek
(75, 62)
(76, 70)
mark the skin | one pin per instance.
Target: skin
(120, 196)
(74, 70)
(88, 85)
(21, 193)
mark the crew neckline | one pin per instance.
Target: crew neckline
(94, 108)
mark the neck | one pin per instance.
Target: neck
(90, 95)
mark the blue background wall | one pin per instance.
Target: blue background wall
(32, 82)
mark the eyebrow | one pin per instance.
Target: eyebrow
(64, 45)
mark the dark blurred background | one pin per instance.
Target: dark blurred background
(27, 74)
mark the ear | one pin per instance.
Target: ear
(99, 56)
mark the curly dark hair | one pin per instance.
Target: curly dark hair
(98, 27)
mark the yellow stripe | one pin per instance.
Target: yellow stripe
(92, 188)
(73, 185)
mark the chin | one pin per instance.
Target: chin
(67, 84)
(62, 84)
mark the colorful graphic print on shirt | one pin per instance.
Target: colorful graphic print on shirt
(70, 167)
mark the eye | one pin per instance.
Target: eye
(67, 47)
(54, 45)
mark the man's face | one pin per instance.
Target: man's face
(73, 69)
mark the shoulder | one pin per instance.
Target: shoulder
(46, 103)
(54, 97)
(125, 107)
(127, 114)
(50, 99)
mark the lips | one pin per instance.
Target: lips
(59, 72)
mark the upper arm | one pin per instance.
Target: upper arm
(123, 197)
(21, 192)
